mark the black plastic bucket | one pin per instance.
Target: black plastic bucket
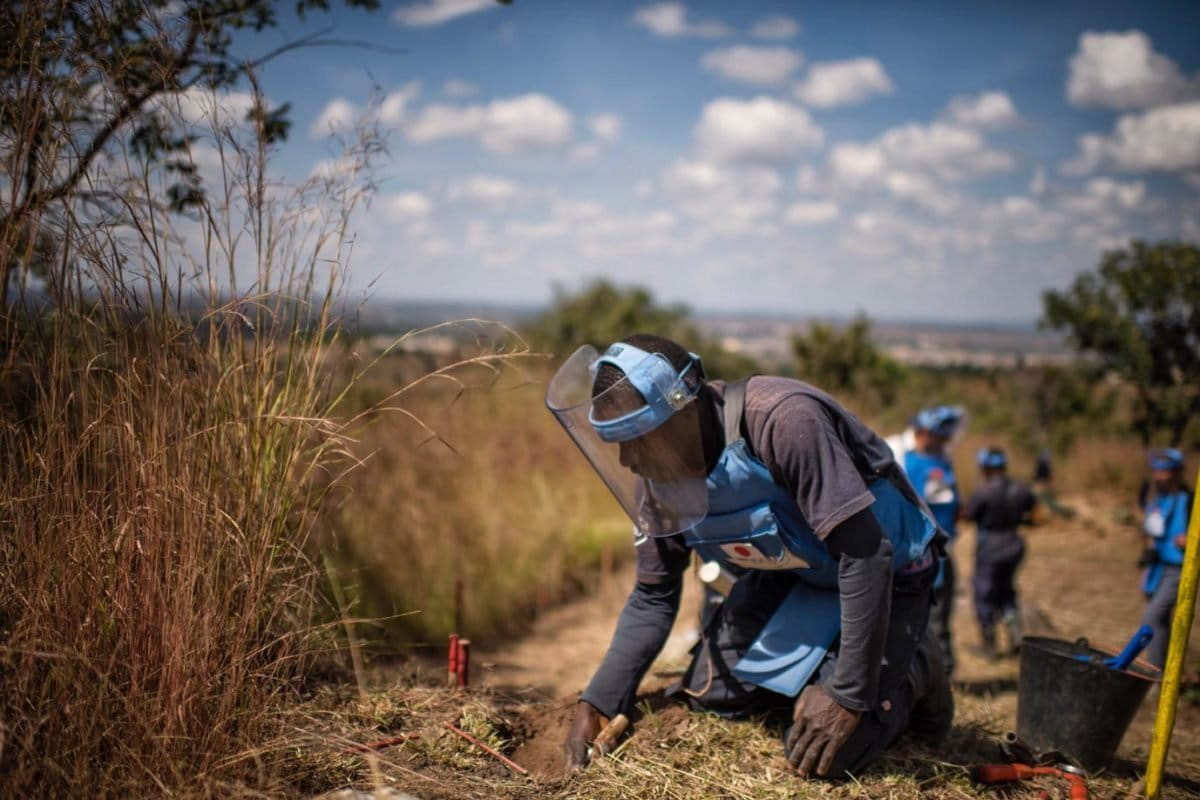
(1080, 708)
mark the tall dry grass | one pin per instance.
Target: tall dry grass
(484, 490)
(164, 446)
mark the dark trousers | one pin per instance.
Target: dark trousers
(943, 610)
(996, 561)
(913, 690)
(1159, 610)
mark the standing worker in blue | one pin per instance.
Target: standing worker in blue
(773, 479)
(926, 462)
(998, 507)
(1166, 509)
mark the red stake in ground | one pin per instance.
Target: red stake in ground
(464, 662)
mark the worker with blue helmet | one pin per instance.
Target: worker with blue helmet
(829, 553)
(926, 461)
(998, 507)
(1165, 520)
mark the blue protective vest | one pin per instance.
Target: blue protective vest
(1170, 515)
(754, 523)
(933, 478)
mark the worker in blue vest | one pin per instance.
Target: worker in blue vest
(926, 461)
(1165, 521)
(999, 506)
(833, 553)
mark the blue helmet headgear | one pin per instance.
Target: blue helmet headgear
(1166, 458)
(656, 379)
(992, 458)
(939, 420)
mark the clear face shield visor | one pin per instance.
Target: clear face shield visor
(641, 434)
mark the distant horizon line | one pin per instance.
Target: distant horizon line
(1028, 323)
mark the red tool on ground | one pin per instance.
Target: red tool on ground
(508, 762)
(993, 774)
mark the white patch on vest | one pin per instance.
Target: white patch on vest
(937, 488)
(1156, 524)
(744, 554)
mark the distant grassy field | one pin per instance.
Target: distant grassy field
(484, 491)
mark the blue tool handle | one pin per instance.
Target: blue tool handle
(1136, 645)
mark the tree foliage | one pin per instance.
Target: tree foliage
(847, 361)
(1138, 315)
(76, 76)
(602, 313)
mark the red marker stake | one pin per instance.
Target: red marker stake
(464, 662)
(452, 665)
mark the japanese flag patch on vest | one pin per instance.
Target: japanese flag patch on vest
(744, 554)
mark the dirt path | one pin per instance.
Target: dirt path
(556, 659)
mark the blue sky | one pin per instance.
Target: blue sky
(939, 160)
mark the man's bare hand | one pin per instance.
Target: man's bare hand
(819, 729)
(588, 723)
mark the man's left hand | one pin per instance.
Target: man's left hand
(819, 729)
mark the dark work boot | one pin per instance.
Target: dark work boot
(932, 709)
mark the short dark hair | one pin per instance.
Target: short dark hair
(609, 376)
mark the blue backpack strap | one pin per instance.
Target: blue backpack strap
(735, 404)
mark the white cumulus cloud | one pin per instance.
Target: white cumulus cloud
(757, 66)
(1122, 71)
(527, 123)
(1162, 139)
(437, 121)
(435, 12)
(856, 164)
(763, 130)
(491, 190)
(775, 27)
(672, 20)
(408, 206)
(811, 213)
(991, 109)
(841, 83)
(337, 117)
(916, 164)
(394, 108)
(204, 108)
(948, 152)
(728, 197)
(605, 127)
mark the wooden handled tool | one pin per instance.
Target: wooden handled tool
(602, 745)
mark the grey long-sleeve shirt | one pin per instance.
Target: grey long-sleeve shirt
(821, 452)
